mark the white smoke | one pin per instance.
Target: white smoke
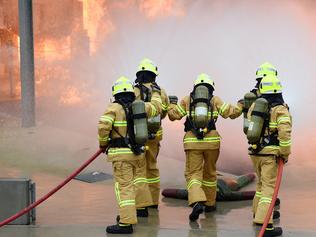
(227, 40)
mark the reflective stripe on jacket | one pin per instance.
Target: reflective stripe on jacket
(114, 116)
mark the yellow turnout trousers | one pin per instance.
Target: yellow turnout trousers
(266, 169)
(152, 171)
(200, 174)
(130, 183)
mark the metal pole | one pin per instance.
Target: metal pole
(27, 63)
(10, 68)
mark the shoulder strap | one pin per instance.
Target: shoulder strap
(127, 120)
(144, 91)
(130, 135)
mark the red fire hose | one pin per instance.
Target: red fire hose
(62, 184)
(275, 194)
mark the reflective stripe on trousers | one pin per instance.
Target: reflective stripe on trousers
(122, 203)
(205, 139)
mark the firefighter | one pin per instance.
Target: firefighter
(144, 84)
(122, 135)
(269, 134)
(201, 141)
(263, 70)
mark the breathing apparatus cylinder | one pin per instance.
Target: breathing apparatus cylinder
(154, 123)
(260, 111)
(201, 96)
(249, 98)
(140, 122)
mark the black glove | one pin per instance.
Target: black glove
(173, 99)
(241, 102)
(103, 148)
(284, 158)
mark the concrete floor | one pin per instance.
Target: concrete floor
(48, 155)
(83, 209)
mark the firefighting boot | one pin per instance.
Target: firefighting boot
(272, 231)
(196, 211)
(120, 228)
(277, 202)
(209, 208)
(142, 212)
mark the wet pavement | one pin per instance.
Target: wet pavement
(48, 155)
(85, 209)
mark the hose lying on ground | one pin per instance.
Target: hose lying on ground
(62, 184)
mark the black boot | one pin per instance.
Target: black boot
(142, 212)
(277, 202)
(209, 208)
(120, 229)
(197, 210)
(153, 206)
(272, 231)
(118, 218)
(276, 215)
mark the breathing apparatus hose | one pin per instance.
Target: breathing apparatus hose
(274, 197)
(44, 198)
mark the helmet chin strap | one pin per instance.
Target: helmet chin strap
(258, 82)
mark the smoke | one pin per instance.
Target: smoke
(226, 39)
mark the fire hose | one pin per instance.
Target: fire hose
(274, 197)
(44, 198)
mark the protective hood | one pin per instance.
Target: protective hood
(145, 77)
(125, 98)
(274, 99)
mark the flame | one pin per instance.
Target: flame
(97, 22)
(54, 50)
(71, 96)
(158, 8)
(54, 75)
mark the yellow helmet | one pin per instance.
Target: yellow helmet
(270, 84)
(266, 69)
(122, 85)
(147, 65)
(204, 79)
